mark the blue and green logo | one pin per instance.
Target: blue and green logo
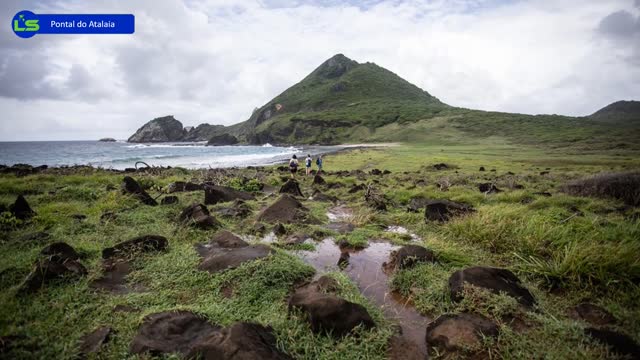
(25, 24)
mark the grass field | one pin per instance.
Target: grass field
(566, 249)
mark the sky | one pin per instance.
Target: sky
(214, 61)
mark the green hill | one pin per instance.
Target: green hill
(343, 101)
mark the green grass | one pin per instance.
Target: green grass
(566, 249)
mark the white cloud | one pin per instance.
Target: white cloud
(215, 60)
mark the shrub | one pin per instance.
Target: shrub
(621, 186)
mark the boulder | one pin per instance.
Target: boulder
(318, 180)
(127, 249)
(62, 249)
(285, 210)
(620, 344)
(328, 312)
(400, 348)
(91, 342)
(21, 209)
(481, 168)
(181, 186)
(291, 187)
(319, 196)
(443, 210)
(227, 239)
(375, 172)
(295, 239)
(239, 209)
(221, 259)
(459, 331)
(222, 140)
(495, 280)
(440, 166)
(214, 194)
(279, 229)
(410, 255)
(592, 314)
(169, 200)
(131, 187)
(50, 268)
(488, 188)
(198, 215)
(170, 332)
(162, 129)
(241, 340)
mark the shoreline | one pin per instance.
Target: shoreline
(276, 160)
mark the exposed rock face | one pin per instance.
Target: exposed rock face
(239, 209)
(410, 255)
(495, 280)
(227, 239)
(169, 200)
(239, 341)
(198, 215)
(443, 210)
(91, 342)
(291, 187)
(127, 249)
(58, 261)
(222, 140)
(220, 259)
(488, 188)
(130, 186)
(592, 314)
(459, 331)
(318, 180)
(163, 129)
(327, 312)
(285, 210)
(202, 132)
(170, 332)
(193, 337)
(61, 249)
(180, 186)
(214, 194)
(21, 209)
(619, 343)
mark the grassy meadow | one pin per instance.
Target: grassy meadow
(566, 249)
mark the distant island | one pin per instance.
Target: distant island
(343, 101)
(107, 139)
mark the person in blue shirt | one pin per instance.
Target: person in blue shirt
(319, 163)
(307, 164)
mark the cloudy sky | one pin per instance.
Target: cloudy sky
(216, 60)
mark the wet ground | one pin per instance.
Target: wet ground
(365, 268)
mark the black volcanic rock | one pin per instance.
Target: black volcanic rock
(222, 140)
(163, 129)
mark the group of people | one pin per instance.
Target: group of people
(293, 164)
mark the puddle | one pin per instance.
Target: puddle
(364, 267)
(339, 213)
(268, 238)
(395, 229)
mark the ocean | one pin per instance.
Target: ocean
(120, 154)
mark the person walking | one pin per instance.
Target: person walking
(319, 163)
(293, 166)
(307, 164)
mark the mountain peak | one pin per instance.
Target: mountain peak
(335, 67)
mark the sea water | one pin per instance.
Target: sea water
(120, 154)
